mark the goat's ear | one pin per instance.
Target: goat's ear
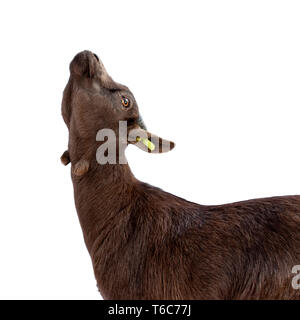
(149, 142)
(65, 158)
(84, 63)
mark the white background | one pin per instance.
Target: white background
(220, 78)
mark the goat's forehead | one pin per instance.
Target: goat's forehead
(121, 89)
(88, 88)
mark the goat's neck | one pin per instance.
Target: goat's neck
(100, 193)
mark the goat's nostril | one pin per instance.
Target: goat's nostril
(96, 56)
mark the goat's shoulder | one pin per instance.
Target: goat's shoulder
(153, 200)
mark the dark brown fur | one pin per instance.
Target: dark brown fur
(148, 244)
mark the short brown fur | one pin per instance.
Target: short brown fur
(148, 244)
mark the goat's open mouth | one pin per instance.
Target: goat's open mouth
(133, 122)
(144, 137)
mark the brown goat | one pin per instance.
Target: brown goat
(148, 244)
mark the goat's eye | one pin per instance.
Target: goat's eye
(125, 102)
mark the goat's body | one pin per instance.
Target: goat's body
(148, 244)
